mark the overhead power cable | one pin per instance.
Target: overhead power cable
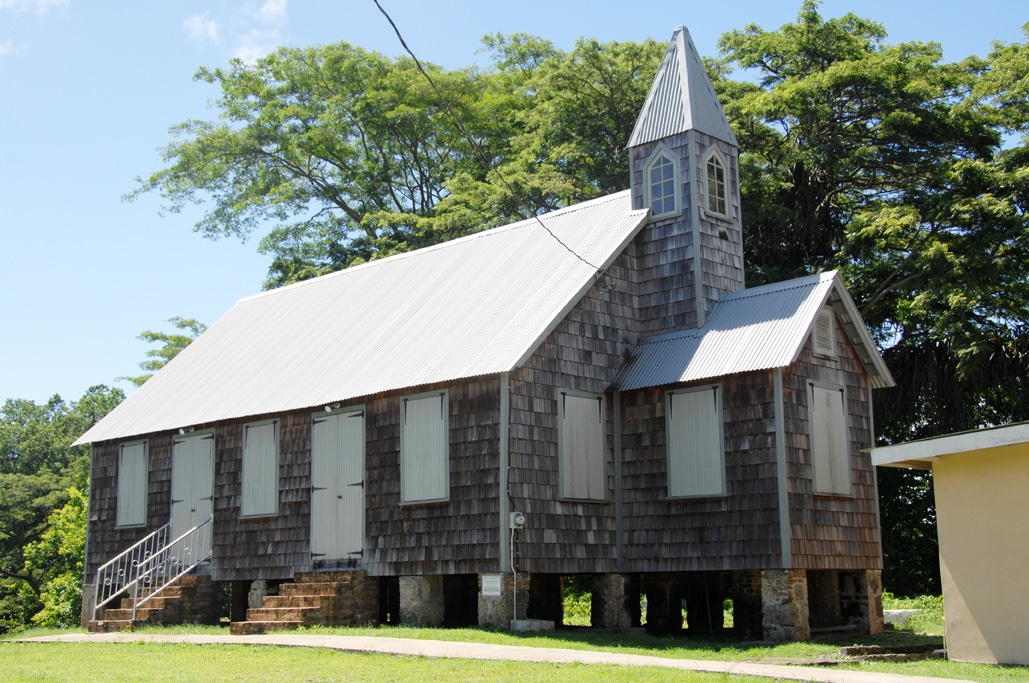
(475, 145)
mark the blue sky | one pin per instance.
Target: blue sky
(88, 90)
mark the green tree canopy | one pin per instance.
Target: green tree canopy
(343, 155)
(172, 345)
(41, 473)
(890, 165)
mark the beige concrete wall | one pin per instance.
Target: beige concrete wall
(984, 553)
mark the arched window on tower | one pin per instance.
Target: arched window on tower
(717, 201)
(662, 185)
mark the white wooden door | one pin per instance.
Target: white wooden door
(192, 485)
(337, 487)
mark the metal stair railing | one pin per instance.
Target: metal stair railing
(152, 564)
(122, 572)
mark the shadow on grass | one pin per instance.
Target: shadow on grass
(716, 644)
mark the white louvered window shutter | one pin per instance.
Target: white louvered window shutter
(132, 484)
(696, 454)
(424, 454)
(582, 461)
(830, 452)
(260, 494)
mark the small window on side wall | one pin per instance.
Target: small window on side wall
(830, 448)
(582, 453)
(662, 186)
(260, 495)
(717, 194)
(696, 451)
(424, 448)
(133, 466)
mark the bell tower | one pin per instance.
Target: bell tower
(684, 165)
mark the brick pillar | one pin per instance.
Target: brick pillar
(421, 600)
(823, 599)
(615, 601)
(861, 600)
(745, 591)
(784, 608)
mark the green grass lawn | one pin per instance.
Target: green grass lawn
(167, 662)
(101, 662)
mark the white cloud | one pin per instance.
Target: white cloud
(199, 27)
(256, 44)
(40, 6)
(9, 47)
(272, 11)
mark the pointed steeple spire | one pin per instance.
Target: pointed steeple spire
(681, 98)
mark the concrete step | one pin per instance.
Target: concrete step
(112, 626)
(313, 589)
(287, 601)
(304, 615)
(152, 603)
(126, 614)
(248, 628)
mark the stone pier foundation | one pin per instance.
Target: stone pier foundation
(421, 601)
(615, 601)
(784, 605)
(497, 611)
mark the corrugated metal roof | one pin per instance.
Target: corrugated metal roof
(752, 329)
(474, 306)
(681, 97)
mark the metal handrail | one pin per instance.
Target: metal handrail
(153, 563)
(122, 572)
(178, 559)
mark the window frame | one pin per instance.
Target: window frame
(679, 455)
(410, 447)
(663, 150)
(142, 480)
(713, 155)
(840, 483)
(274, 496)
(571, 484)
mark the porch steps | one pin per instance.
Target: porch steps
(185, 601)
(339, 598)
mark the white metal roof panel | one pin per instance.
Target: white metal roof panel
(472, 306)
(681, 97)
(751, 329)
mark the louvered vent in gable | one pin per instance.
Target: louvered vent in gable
(823, 337)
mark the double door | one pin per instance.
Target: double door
(337, 487)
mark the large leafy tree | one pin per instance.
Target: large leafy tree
(889, 164)
(40, 474)
(338, 155)
(338, 150)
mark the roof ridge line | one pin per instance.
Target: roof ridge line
(481, 234)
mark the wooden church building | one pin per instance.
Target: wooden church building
(443, 437)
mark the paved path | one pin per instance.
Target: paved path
(440, 648)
